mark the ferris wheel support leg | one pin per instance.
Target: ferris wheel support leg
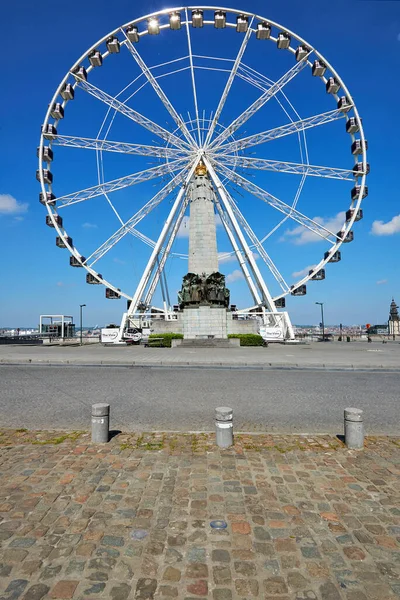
(161, 265)
(153, 258)
(289, 327)
(267, 298)
(239, 255)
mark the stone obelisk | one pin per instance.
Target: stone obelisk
(203, 299)
(203, 255)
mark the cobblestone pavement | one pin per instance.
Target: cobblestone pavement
(306, 518)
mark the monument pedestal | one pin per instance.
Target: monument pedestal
(204, 322)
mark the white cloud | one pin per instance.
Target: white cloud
(389, 228)
(234, 276)
(60, 284)
(10, 206)
(89, 225)
(301, 235)
(118, 261)
(381, 281)
(303, 272)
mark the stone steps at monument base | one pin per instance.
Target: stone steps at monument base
(208, 343)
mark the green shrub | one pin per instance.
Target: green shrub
(248, 339)
(166, 339)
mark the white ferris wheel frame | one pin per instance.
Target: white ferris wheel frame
(220, 152)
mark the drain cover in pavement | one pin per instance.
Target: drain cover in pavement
(218, 524)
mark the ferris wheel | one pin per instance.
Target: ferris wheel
(195, 84)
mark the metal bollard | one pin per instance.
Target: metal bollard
(353, 428)
(224, 426)
(100, 423)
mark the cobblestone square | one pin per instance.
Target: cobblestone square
(306, 518)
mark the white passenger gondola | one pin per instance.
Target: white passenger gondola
(346, 238)
(47, 175)
(153, 26)
(175, 20)
(61, 242)
(47, 198)
(301, 52)
(93, 279)
(220, 19)
(263, 31)
(299, 291)
(76, 262)
(68, 92)
(95, 58)
(358, 169)
(283, 41)
(49, 131)
(113, 45)
(56, 218)
(132, 33)
(47, 153)
(336, 256)
(57, 111)
(80, 73)
(356, 147)
(355, 192)
(344, 104)
(318, 275)
(242, 23)
(350, 213)
(332, 86)
(197, 17)
(318, 69)
(112, 294)
(352, 125)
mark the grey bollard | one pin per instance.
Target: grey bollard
(100, 423)
(353, 428)
(224, 426)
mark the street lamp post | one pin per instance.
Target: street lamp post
(80, 312)
(322, 319)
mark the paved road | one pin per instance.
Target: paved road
(184, 399)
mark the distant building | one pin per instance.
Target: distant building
(394, 319)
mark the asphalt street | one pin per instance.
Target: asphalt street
(177, 399)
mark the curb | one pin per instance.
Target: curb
(214, 365)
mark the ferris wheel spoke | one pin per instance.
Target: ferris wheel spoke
(135, 219)
(278, 132)
(131, 114)
(229, 83)
(196, 107)
(121, 147)
(118, 184)
(257, 244)
(260, 102)
(158, 90)
(279, 205)
(287, 167)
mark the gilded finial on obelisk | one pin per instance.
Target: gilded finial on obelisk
(201, 169)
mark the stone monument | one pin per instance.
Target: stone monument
(394, 319)
(204, 298)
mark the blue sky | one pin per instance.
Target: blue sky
(362, 41)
